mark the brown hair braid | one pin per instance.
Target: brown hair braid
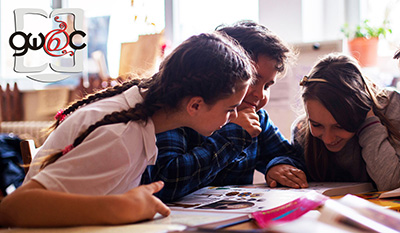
(109, 92)
(210, 66)
(133, 114)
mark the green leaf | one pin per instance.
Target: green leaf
(366, 30)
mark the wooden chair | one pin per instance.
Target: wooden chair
(94, 83)
(28, 151)
(11, 103)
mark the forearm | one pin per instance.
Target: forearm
(184, 169)
(44, 208)
(276, 149)
(290, 154)
(380, 156)
(288, 160)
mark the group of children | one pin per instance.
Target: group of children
(115, 156)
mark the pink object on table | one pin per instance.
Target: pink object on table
(289, 211)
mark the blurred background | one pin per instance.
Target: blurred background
(134, 35)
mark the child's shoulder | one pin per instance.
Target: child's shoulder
(394, 93)
(391, 105)
(390, 98)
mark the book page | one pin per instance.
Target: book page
(340, 189)
(393, 193)
(374, 197)
(355, 213)
(378, 214)
(252, 198)
(195, 219)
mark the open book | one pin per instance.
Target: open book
(251, 198)
(352, 213)
(340, 189)
(375, 197)
(239, 203)
(347, 214)
(392, 193)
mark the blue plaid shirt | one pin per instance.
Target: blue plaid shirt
(188, 161)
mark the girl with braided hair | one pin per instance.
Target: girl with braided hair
(90, 166)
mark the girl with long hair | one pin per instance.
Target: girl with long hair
(351, 130)
(88, 170)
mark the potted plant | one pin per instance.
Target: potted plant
(363, 41)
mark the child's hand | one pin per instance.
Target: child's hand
(287, 175)
(143, 204)
(249, 120)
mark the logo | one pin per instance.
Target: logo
(56, 43)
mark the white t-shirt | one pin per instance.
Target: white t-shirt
(110, 160)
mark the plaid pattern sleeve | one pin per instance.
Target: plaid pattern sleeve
(188, 161)
(268, 149)
(275, 149)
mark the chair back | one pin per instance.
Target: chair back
(28, 151)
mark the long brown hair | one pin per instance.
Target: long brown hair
(207, 65)
(337, 83)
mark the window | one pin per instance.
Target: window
(126, 20)
(108, 27)
(192, 17)
(378, 11)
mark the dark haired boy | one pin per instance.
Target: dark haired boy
(188, 161)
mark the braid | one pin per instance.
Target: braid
(210, 66)
(140, 112)
(109, 92)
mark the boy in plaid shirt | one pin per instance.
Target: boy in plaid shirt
(188, 161)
